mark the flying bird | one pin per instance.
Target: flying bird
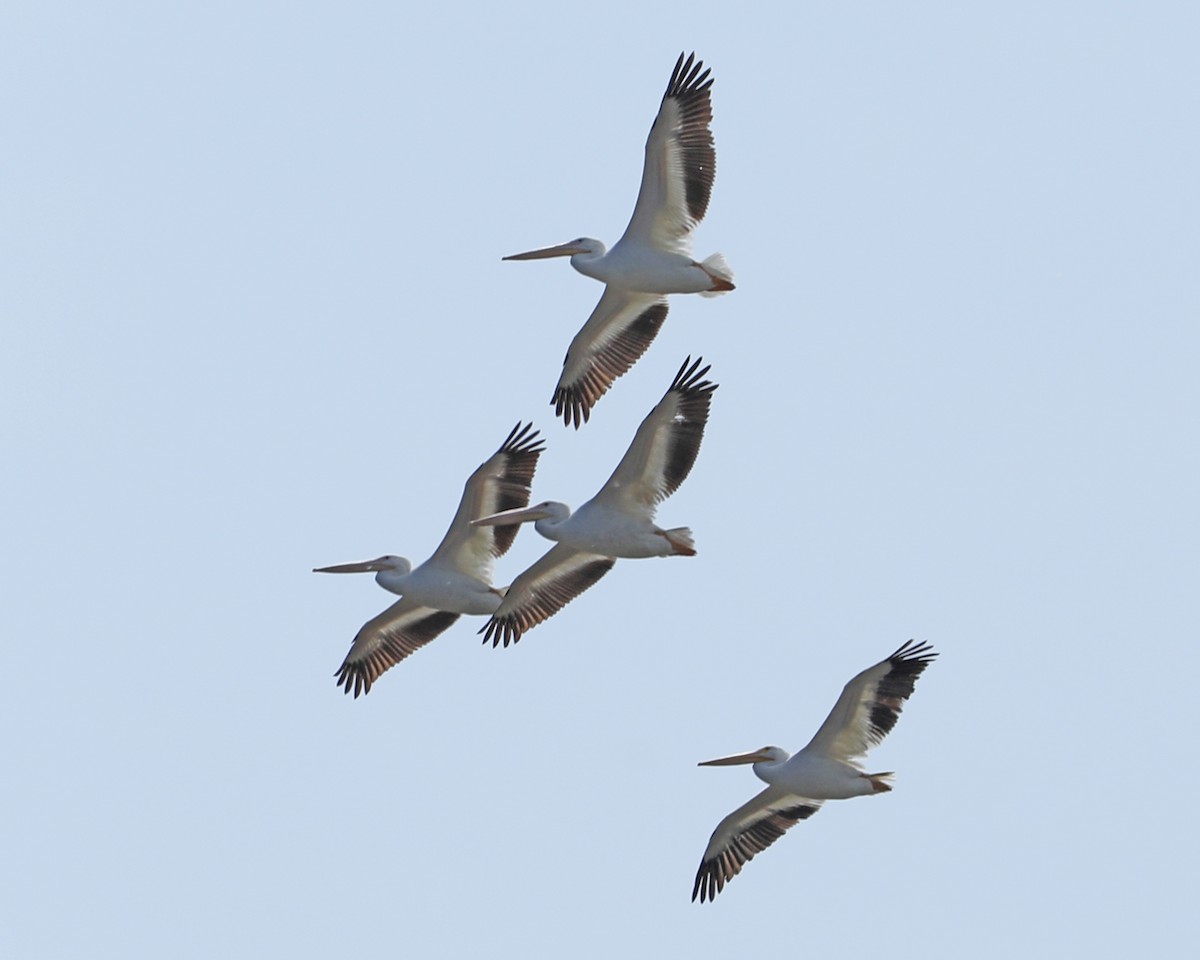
(455, 580)
(618, 521)
(654, 256)
(863, 715)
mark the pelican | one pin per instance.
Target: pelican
(618, 521)
(653, 256)
(863, 715)
(455, 580)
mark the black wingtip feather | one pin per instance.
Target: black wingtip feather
(360, 674)
(907, 665)
(687, 78)
(571, 404)
(691, 417)
(715, 871)
(547, 600)
(689, 88)
(514, 479)
(574, 401)
(914, 650)
(689, 378)
(520, 439)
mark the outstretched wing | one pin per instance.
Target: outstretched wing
(615, 336)
(680, 162)
(562, 574)
(501, 482)
(871, 703)
(385, 640)
(666, 444)
(750, 829)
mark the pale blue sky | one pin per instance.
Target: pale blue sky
(255, 321)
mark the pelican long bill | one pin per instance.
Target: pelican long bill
(756, 756)
(365, 566)
(653, 257)
(457, 577)
(825, 769)
(618, 521)
(506, 517)
(559, 250)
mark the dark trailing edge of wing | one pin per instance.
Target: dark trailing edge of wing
(687, 431)
(546, 601)
(689, 87)
(574, 401)
(522, 449)
(907, 664)
(726, 864)
(363, 672)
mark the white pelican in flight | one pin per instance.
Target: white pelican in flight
(618, 521)
(653, 256)
(863, 715)
(455, 580)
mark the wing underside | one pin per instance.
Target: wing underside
(870, 703)
(619, 331)
(385, 640)
(749, 830)
(562, 574)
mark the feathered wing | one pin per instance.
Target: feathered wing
(620, 329)
(501, 482)
(385, 640)
(750, 829)
(666, 444)
(680, 164)
(871, 703)
(562, 574)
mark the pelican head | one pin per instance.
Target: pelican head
(580, 245)
(386, 563)
(388, 571)
(761, 755)
(546, 510)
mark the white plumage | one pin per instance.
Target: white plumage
(619, 520)
(653, 258)
(866, 711)
(455, 580)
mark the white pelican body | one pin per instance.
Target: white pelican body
(653, 258)
(603, 527)
(810, 775)
(636, 266)
(863, 715)
(433, 583)
(455, 580)
(618, 521)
